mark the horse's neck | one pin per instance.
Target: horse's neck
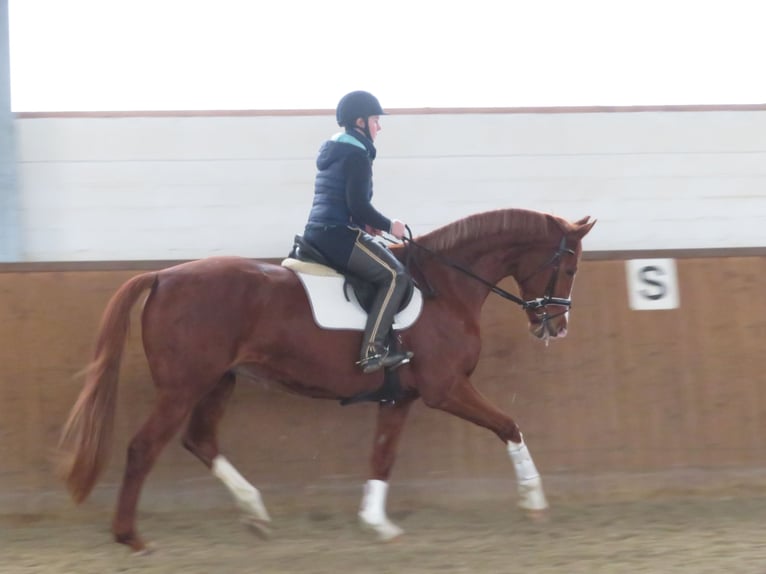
(491, 264)
(490, 245)
(488, 258)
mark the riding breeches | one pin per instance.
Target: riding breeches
(375, 263)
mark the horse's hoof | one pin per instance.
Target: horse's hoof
(386, 531)
(137, 546)
(259, 527)
(391, 536)
(537, 516)
(145, 551)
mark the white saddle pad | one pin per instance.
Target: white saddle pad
(331, 310)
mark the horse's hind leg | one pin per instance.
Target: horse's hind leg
(201, 436)
(372, 512)
(201, 439)
(164, 421)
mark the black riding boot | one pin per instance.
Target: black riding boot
(378, 265)
(375, 355)
(378, 357)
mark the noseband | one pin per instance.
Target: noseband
(529, 305)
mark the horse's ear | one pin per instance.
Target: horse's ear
(583, 226)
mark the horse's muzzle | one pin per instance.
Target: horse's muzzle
(549, 327)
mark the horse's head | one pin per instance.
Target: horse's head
(546, 274)
(540, 251)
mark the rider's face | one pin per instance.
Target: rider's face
(373, 122)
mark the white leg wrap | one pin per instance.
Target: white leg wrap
(531, 495)
(372, 512)
(247, 497)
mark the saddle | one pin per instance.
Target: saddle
(364, 292)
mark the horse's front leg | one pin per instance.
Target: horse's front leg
(463, 400)
(372, 512)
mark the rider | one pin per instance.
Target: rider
(342, 222)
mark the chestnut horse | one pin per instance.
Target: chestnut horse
(206, 322)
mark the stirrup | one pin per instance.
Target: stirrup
(384, 359)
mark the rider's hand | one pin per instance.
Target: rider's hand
(397, 228)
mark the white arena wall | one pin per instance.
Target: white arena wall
(189, 185)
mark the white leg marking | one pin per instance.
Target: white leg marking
(247, 497)
(531, 495)
(372, 513)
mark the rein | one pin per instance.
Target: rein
(532, 304)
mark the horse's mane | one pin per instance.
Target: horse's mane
(523, 224)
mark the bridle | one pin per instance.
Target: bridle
(540, 303)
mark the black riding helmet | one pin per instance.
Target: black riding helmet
(359, 104)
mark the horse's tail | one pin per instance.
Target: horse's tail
(86, 439)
